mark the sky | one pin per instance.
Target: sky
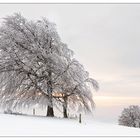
(105, 39)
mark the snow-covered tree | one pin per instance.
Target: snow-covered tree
(32, 56)
(35, 65)
(76, 87)
(130, 116)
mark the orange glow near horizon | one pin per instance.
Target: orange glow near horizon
(117, 101)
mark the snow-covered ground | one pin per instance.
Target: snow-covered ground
(16, 125)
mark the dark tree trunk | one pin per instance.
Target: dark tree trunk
(34, 111)
(80, 118)
(65, 108)
(134, 125)
(50, 111)
(65, 112)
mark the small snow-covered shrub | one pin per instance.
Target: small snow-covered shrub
(130, 116)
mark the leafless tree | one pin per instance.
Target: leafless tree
(130, 116)
(35, 65)
(32, 56)
(76, 88)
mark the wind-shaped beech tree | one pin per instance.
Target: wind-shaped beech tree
(35, 65)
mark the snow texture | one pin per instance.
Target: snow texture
(16, 125)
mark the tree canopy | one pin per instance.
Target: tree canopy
(35, 65)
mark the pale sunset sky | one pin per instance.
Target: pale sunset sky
(105, 39)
